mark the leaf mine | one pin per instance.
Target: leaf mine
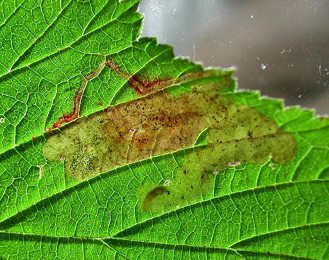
(162, 123)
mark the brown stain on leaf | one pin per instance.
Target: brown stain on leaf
(153, 126)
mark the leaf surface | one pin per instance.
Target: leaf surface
(252, 182)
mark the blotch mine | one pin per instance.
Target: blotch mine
(136, 130)
(242, 135)
(162, 123)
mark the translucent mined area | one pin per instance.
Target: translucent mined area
(162, 123)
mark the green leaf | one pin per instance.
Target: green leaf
(220, 173)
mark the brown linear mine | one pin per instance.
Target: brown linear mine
(140, 86)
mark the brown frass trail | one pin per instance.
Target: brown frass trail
(144, 86)
(77, 98)
(141, 86)
(162, 123)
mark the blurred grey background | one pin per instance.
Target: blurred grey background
(281, 47)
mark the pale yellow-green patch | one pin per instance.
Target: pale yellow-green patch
(162, 123)
(133, 131)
